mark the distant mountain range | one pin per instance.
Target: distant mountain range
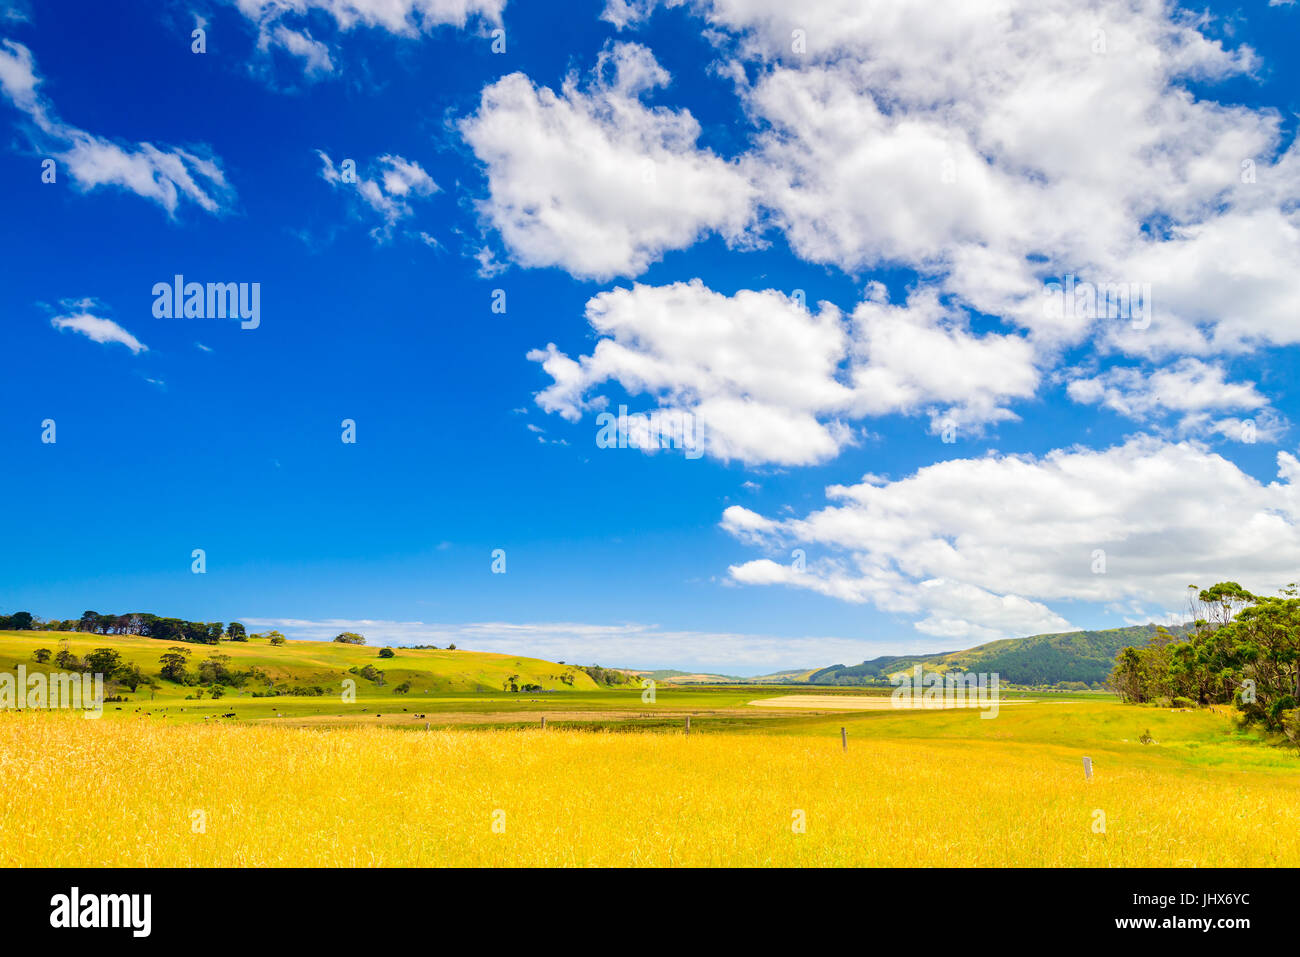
(1074, 656)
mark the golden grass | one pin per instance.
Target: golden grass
(91, 793)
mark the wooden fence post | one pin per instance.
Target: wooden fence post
(688, 724)
(844, 738)
(1087, 768)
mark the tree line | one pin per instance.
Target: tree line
(143, 624)
(1242, 649)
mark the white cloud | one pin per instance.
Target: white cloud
(165, 175)
(96, 328)
(978, 547)
(315, 55)
(993, 144)
(625, 13)
(282, 24)
(962, 145)
(621, 645)
(593, 180)
(923, 355)
(771, 381)
(1189, 388)
(393, 184)
(1267, 425)
(402, 17)
(1189, 385)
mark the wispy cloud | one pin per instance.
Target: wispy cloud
(96, 328)
(392, 185)
(621, 645)
(166, 175)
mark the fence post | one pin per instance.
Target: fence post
(1087, 768)
(688, 724)
(543, 722)
(844, 738)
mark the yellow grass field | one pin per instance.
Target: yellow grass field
(144, 793)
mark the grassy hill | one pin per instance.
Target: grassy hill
(308, 664)
(1086, 656)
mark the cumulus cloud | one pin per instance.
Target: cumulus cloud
(985, 115)
(392, 185)
(80, 319)
(966, 145)
(1190, 389)
(978, 548)
(592, 179)
(1189, 385)
(963, 147)
(772, 381)
(166, 175)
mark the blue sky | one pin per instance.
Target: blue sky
(825, 238)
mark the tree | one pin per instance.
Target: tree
(215, 670)
(351, 638)
(276, 638)
(18, 621)
(1245, 650)
(66, 660)
(387, 653)
(42, 655)
(131, 676)
(235, 632)
(371, 673)
(173, 664)
(104, 661)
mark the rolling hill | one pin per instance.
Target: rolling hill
(311, 664)
(1086, 656)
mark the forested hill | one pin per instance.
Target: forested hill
(1074, 656)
